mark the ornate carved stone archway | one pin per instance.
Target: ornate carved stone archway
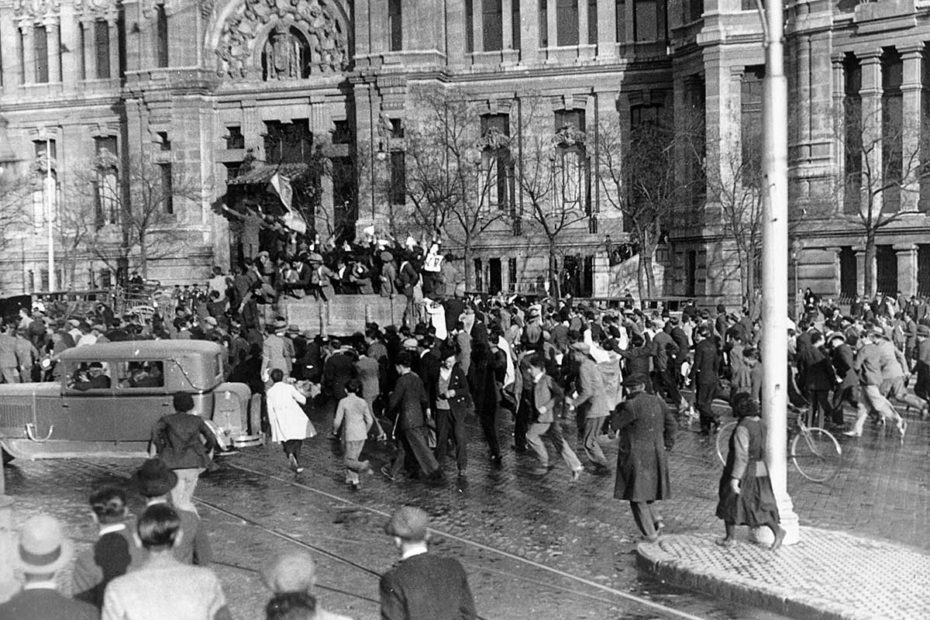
(247, 29)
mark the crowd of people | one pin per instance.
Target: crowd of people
(537, 367)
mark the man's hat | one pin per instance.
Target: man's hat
(314, 258)
(210, 321)
(634, 380)
(154, 478)
(43, 546)
(836, 336)
(875, 330)
(408, 523)
(280, 323)
(291, 571)
(294, 329)
(411, 343)
(923, 330)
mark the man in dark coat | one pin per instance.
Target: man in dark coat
(841, 356)
(647, 430)
(704, 376)
(422, 585)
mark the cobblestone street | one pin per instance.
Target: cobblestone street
(533, 548)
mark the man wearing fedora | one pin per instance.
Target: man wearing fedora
(44, 550)
(293, 572)
(847, 388)
(647, 430)
(422, 585)
(163, 587)
(155, 482)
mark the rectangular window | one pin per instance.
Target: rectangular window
(40, 45)
(161, 36)
(696, 8)
(892, 131)
(493, 25)
(234, 138)
(397, 128)
(106, 201)
(515, 24)
(886, 267)
(567, 19)
(592, 22)
(544, 23)
(848, 280)
(398, 178)
(479, 275)
(102, 48)
(621, 21)
(751, 123)
(341, 132)
(570, 118)
(164, 142)
(288, 143)
(852, 104)
(46, 149)
(512, 274)
(469, 26)
(167, 188)
(646, 20)
(140, 375)
(395, 25)
(923, 270)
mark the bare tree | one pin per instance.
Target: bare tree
(15, 193)
(638, 176)
(885, 167)
(136, 209)
(553, 176)
(453, 169)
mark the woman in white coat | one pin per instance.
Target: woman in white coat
(289, 424)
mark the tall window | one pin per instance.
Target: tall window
(167, 188)
(102, 48)
(395, 25)
(469, 26)
(892, 134)
(492, 25)
(648, 20)
(852, 104)
(848, 281)
(287, 143)
(592, 22)
(40, 45)
(621, 21)
(695, 9)
(234, 137)
(751, 123)
(567, 20)
(398, 178)
(106, 203)
(496, 178)
(696, 108)
(515, 23)
(571, 161)
(161, 36)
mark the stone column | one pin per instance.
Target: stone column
(12, 71)
(860, 273)
(29, 53)
(71, 59)
(529, 36)
(803, 94)
(477, 26)
(507, 23)
(583, 23)
(113, 27)
(911, 125)
(839, 133)
(53, 50)
(871, 93)
(907, 268)
(606, 28)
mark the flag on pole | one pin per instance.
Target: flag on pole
(282, 187)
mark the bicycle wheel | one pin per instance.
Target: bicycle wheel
(723, 440)
(816, 454)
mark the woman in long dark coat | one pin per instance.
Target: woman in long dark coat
(647, 430)
(746, 496)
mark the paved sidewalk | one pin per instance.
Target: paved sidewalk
(825, 575)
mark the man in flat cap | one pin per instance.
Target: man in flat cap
(647, 430)
(422, 585)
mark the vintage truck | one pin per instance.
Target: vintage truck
(111, 394)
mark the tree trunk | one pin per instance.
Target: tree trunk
(554, 284)
(870, 284)
(466, 256)
(143, 257)
(647, 252)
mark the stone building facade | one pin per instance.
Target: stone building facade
(191, 94)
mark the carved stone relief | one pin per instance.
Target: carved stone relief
(36, 8)
(240, 55)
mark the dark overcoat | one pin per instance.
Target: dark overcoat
(647, 430)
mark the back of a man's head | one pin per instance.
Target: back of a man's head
(291, 606)
(158, 527)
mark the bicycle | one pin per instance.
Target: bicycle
(813, 451)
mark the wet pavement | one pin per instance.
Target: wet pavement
(533, 547)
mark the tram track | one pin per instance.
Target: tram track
(607, 595)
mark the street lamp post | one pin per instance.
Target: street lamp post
(796, 247)
(775, 266)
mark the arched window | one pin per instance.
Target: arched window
(286, 55)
